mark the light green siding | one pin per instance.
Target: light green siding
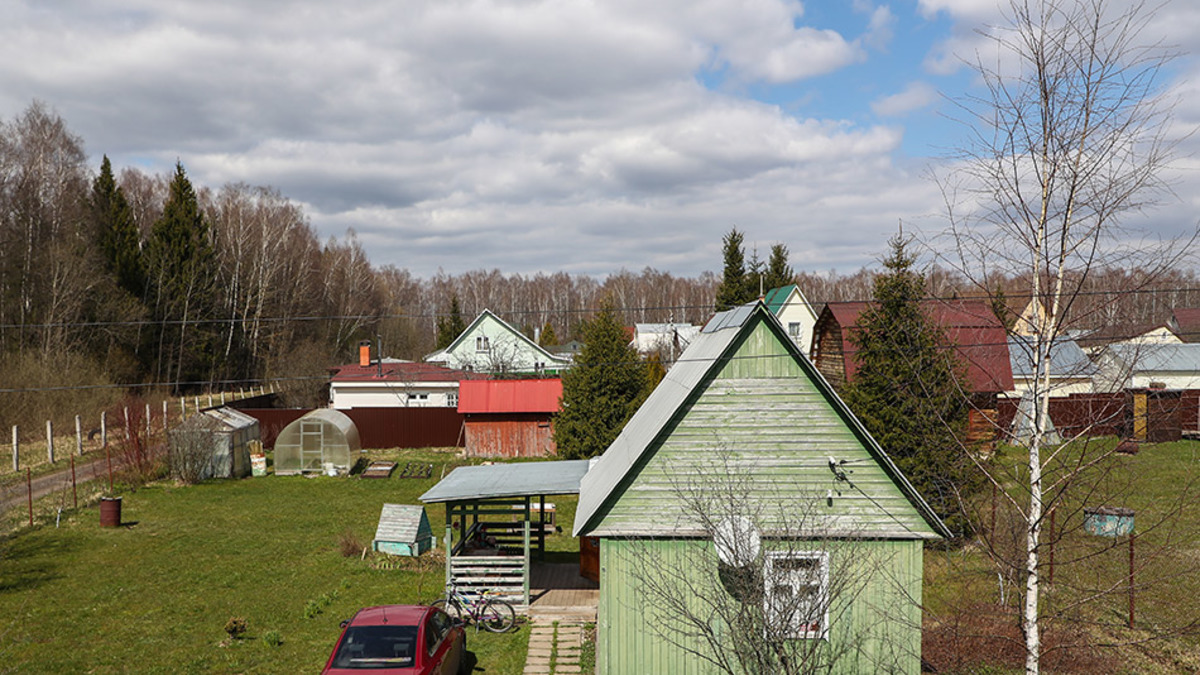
(874, 618)
(767, 422)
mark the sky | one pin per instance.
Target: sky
(583, 136)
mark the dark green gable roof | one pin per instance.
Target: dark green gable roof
(743, 390)
(775, 297)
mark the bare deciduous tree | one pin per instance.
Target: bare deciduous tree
(1069, 138)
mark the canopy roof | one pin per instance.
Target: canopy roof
(495, 481)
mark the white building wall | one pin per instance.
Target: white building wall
(345, 395)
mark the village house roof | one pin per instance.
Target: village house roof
(510, 396)
(1066, 358)
(1185, 322)
(704, 359)
(1169, 358)
(393, 370)
(979, 339)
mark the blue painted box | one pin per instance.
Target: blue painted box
(1108, 521)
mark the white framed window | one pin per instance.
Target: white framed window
(482, 343)
(794, 329)
(797, 592)
(452, 399)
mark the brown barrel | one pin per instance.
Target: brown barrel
(110, 512)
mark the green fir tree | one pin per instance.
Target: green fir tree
(778, 273)
(909, 388)
(117, 233)
(548, 338)
(735, 288)
(450, 327)
(602, 390)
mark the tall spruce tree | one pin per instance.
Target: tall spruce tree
(908, 389)
(602, 390)
(735, 288)
(117, 233)
(183, 286)
(450, 327)
(778, 273)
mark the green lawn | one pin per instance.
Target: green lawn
(154, 595)
(1088, 599)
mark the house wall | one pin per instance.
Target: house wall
(874, 622)
(509, 435)
(797, 311)
(830, 360)
(346, 395)
(1059, 386)
(506, 352)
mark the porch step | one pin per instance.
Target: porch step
(540, 614)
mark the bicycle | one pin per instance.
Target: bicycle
(493, 613)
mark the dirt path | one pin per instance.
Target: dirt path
(16, 494)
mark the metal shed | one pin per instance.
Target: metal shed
(215, 443)
(403, 530)
(323, 440)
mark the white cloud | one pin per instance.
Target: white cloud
(915, 96)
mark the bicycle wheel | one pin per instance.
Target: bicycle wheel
(454, 609)
(497, 615)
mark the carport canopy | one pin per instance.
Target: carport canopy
(501, 481)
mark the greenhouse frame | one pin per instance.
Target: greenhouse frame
(322, 441)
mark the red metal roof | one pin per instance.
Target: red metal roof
(1187, 320)
(510, 396)
(979, 338)
(401, 371)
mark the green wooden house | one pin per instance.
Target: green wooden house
(744, 480)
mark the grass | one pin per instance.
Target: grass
(969, 607)
(155, 595)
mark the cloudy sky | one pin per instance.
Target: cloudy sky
(543, 136)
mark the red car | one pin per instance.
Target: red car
(400, 640)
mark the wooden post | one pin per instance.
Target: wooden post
(126, 409)
(50, 441)
(196, 403)
(148, 422)
(1132, 536)
(182, 408)
(29, 491)
(103, 429)
(526, 583)
(210, 399)
(164, 415)
(16, 451)
(78, 438)
(222, 397)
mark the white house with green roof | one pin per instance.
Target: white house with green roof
(490, 345)
(790, 306)
(839, 531)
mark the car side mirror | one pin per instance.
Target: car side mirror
(344, 623)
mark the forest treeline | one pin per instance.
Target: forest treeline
(115, 278)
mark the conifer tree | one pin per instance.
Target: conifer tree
(735, 286)
(183, 280)
(779, 273)
(116, 232)
(450, 327)
(548, 338)
(908, 389)
(602, 390)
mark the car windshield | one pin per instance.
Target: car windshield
(368, 647)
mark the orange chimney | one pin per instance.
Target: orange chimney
(364, 353)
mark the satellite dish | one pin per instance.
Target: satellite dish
(737, 540)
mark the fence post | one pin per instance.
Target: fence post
(182, 408)
(126, 409)
(222, 397)
(148, 421)
(210, 399)
(16, 451)
(164, 415)
(74, 490)
(103, 429)
(50, 441)
(196, 401)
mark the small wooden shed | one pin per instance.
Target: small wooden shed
(214, 443)
(403, 530)
(510, 418)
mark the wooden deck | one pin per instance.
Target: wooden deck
(557, 592)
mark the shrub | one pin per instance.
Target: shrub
(273, 638)
(349, 543)
(236, 627)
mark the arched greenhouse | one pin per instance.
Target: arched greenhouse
(323, 440)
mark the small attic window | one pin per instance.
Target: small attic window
(482, 344)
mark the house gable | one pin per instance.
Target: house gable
(747, 398)
(489, 344)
